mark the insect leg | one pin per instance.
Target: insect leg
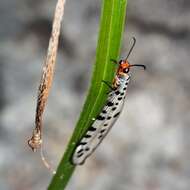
(109, 85)
(113, 60)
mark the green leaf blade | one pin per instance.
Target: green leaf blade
(110, 35)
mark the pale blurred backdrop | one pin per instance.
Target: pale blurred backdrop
(148, 148)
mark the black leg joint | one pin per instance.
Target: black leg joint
(107, 83)
(113, 60)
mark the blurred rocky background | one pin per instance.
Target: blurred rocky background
(148, 148)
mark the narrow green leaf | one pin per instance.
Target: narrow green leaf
(110, 35)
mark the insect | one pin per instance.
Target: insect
(109, 114)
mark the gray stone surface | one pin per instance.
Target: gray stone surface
(148, 148)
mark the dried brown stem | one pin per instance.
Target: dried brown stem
(47, 76)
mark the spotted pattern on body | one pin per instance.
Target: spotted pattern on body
(109, 114)
(103, 123)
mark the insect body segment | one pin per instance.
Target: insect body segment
(103, 123)
(109, 114)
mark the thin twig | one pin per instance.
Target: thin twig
(46, 80)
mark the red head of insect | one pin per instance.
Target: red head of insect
(124, 65)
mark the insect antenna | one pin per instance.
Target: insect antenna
(138, 65)
(134, 42)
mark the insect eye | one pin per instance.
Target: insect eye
(120, 62)
(126, 70)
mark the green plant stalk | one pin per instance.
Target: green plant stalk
(110, 35)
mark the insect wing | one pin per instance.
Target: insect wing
(100, 127)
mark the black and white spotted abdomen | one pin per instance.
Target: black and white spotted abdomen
(102, 123)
